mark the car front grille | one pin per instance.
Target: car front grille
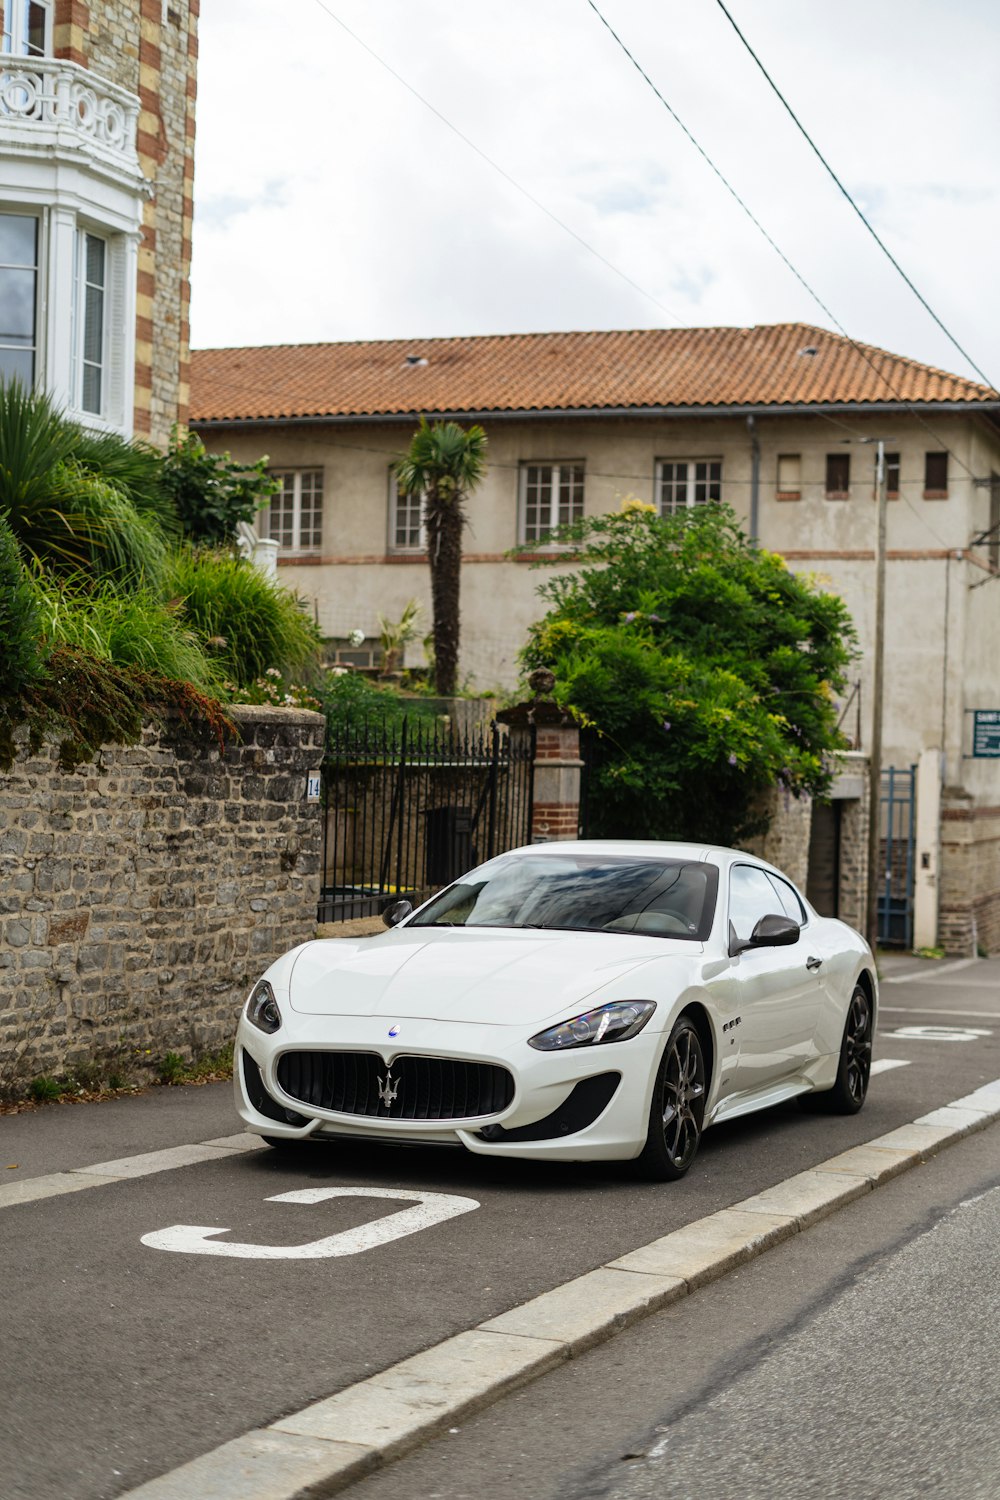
(421, 1088)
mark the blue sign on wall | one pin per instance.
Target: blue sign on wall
(986, 733)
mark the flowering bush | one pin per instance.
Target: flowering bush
(273, 689)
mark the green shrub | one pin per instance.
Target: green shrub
(20, 653)
(132, 630)
(211, 492)
(66, 511)
(42, 1089)
(708, 669)
(244, 618)
(351, 700)
(85, 702)
(172, 1068)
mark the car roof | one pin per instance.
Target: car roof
(651, 848)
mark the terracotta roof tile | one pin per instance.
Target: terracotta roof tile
(668, 367)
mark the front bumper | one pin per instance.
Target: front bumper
(585, 1104)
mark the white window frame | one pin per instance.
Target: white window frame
(15, 36)
(15, 211)
(397, 503)
(85, 233)
(692, 482)
(296, 548)
(561, 470)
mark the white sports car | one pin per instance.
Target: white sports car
(566, 1001)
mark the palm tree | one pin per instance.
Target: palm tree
(444, 463)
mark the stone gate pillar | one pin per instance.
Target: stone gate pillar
(555, 812)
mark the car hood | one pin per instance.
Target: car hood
(464, 974)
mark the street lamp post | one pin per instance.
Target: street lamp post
(875, 746)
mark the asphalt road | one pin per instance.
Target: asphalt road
(129, 1360)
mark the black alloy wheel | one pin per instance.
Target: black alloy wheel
(854, 1070)
(677, 1112)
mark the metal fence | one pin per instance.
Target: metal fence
(407, 808)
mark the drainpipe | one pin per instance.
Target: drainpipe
(754, 479)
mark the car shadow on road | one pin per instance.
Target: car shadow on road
(453, 1169)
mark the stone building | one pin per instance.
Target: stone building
(97, 122)
(780, 422)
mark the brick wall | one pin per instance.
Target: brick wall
(969, 910)
(141, 894)
(152, 50)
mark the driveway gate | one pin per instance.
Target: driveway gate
(897, 819)
(408, 807)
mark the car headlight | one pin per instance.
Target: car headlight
(262, 1008)
(608, 1023)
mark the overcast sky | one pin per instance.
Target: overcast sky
(331, 204)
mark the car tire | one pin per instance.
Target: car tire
(677, 1110)
(854, 1068)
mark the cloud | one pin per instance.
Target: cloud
(331, 204)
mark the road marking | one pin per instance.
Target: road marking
(918, 976)
(428, 1209)
(938, 1010)
(885, 1063)
(935, 1034)
(327, 1445)
(29, 1189)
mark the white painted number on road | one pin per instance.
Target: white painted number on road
(428, 1209)
(936, 1034)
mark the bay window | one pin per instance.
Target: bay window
(18, 297)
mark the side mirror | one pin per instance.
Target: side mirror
(771, 931)
(394, 913)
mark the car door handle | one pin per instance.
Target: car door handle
(813, 963)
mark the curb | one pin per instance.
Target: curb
(324, 1447)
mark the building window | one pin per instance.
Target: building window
(91, 303)
(18, 297)
(935, 476)
(551, 496)
(27, 28)
(994, 531)
(406, 520)
(838, 476)
(789, 476)
(294, 517)
(682, 482)
(892, 476)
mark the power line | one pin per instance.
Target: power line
(860, 213)
(536, 202)
(858, 348)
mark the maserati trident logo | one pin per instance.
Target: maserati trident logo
(388, 1089)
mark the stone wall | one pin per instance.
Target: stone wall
(969, 911)
(786, 842)
(140, 895)
(151, 49)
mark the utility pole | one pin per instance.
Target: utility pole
(875, 746)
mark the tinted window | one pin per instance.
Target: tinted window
(751, 896)
(658, 898)
(790, 903)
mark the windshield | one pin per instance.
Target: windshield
(582, 893)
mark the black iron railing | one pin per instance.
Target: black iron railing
(408, 807)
